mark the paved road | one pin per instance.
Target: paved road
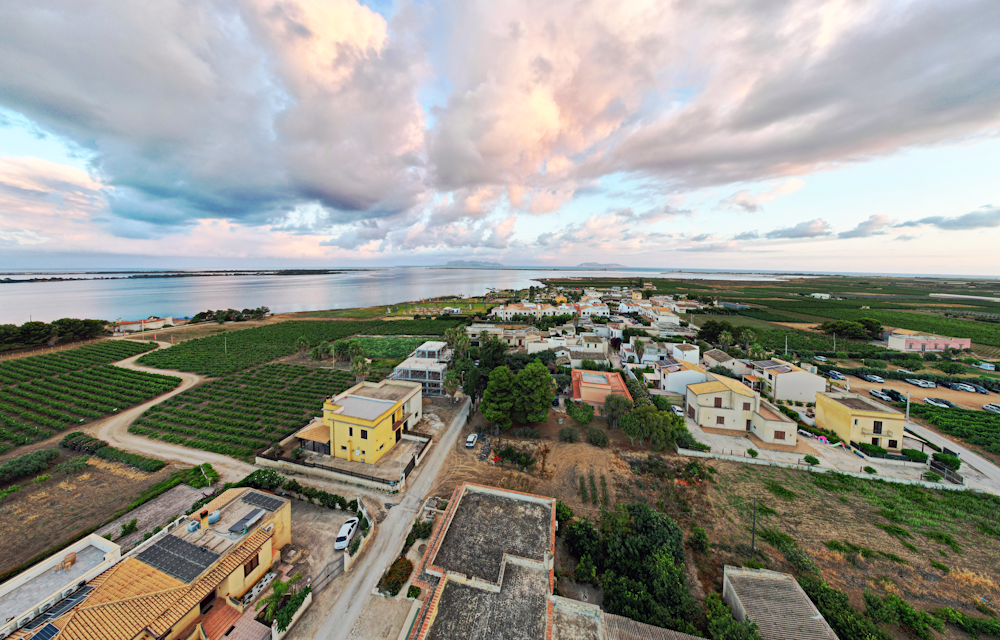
(991, 480)
(114, 429)
(391, 534)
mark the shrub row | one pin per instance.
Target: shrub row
(80, 441)
(27, 465)
(396, 577)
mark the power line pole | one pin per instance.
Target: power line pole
(753, 536)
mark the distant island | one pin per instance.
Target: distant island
(599, 265)
(473, 263)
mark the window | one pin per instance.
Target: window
(718, 403)
(878, 426)
(350, 430)
(343, 448)
(746, 406)
(875, 441)
(779, 435)
(770, 377)
(748, 425)
(720, 420)
(363, 452)
(364, 434)
(251, 565)
(893, 444)
(855, 422)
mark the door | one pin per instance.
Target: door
(399, 434)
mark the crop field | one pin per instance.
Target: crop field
(387, 347)
(237, 351)
(34, 367)
(243, 413)
(980, 428)
(38, 409)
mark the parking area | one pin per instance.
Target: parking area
(963, 399)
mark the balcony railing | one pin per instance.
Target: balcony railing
(884, 433)
(398, 423)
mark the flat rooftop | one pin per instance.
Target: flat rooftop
(860, 403)
(518, 612)
(387, 391)
(35, 590)
(362, 407)
(422, 364)
(485, 526)
(234, 505)
(432, 345)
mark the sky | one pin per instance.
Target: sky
(835, 135)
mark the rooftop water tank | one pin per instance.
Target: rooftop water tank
(192, 525)
(214, 516)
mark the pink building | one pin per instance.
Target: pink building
(907, 340)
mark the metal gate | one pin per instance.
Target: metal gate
(328, 573)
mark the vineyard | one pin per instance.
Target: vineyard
(387, 347)
(44, 406)
(35, 367)
(218, 356)
(243, 413)
(975, 427)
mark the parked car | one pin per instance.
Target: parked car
(871, 378)
(934, 402)
(979, 389)
(914, 382)
(878, 394)
(992, 408)
(820, 359)
(949, 403)
(471, 441)
(964, 386)
(954, 386)
(895, 395)
(677, 410)
(836, 375)
(347, 531)
(904, 371)
(555, 401)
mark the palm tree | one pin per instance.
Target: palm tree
(451, 383)
(340, 349)
(279, 589)
(725, 339)
(355, 351)
(360, 368)
(639, 349)
(302, 344)
(462, 344)
(756, 351)
(746, 336)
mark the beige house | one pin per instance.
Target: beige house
(784, 381)
(724, 403)
(857, 418)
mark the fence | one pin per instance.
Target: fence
(329, 572)
(314, 465)
(947, 473)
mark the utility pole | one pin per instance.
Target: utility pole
(786, 344)
(907, 406)
(753, 536)
(225, 345)
(835, 344)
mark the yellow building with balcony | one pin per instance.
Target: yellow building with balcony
(363, 423)
(856, 418)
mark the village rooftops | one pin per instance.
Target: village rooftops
(240, 510)
(685, 347)
(776, 366)
(422, 364)
(363, 408)
(720, 384)
(718, 355)
(393, 392)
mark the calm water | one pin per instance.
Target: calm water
(183, 297)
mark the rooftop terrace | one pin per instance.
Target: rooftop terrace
(35, 590)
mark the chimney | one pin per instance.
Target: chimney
(204, 519)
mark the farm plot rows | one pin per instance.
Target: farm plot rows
(387, 347)
(36, 410)
(980, 428)
(241, 414)
(218, 356)
(34, 367)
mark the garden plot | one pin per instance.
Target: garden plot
(241, 414)
(34, 367)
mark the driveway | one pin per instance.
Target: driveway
(341, 617)
(987, 476)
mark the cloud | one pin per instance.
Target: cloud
(747, 235)
(906, 237)
(810, 229)
(985, 218)
(701, 237)
(874, 225)
(746, 201)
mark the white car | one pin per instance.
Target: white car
(904, 371)
(966, 387)
(881, 396)
(677, 410)
(820, 359)
(992, 408)
(347, 531)
(471, 441)
(935, 403)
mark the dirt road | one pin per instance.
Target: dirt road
(114, 429)
(388, 541)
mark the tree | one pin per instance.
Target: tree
(324, 350)
(812, 461)
(360, 368)
(302, 344)
(722, 625)
(745, 336)
(340, 349)
(845, 329)
(498, 399)
(355, 351)
(872, 326)
(639, 349)
(474, 385)
(316, 354)
(725, 339)
(491, 353)
(585, 570)
(710, 330)
(632, 428)
(616, 343)
(533, 393)
(279, 589)
(451, 383)
(462, 344)
(615, 406)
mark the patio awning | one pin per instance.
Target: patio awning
(315, 432)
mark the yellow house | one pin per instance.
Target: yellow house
(364, 422)
(560, 298)
(187, 582)
(856, 418)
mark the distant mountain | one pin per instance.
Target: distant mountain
(472, 263)
(599, 265)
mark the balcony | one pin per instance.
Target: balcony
(399, 423)
(882, 433)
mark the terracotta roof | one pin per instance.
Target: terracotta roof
(686, 347)
(115, 611)
(721, 383)
(718, 355)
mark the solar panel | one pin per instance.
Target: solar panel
(260, 500)
(246, 521)
(47, 632)
(178, 558)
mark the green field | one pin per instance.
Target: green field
(387, 347)
(34, 367)
(243, 413)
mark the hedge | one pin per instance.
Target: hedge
(396, 576)
(914, 455)
(27, 465)
(80, 441)
(952, 462)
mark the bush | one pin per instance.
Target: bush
(284, 616)
(876, 364)
(396, 577)
(812, 461)
(585, 570)
(568, 434)
(871, 449)
(43, 477)
(353, 547)
(698, 540)
(129, 527)
(134, 460)
(891, 609)
(951, 368)
(914, 455)
(526, 432)
(930, 357)
(413, 592)
(846, 621)
(582, 412)
(71, 466)
(597, 437)
(871, 470)
(517, 458)
(80, 441)
(563, 513)
(263, 479)
(952, 462)
(722, 625)
(930, 476)
(753, 453)
(27, 465)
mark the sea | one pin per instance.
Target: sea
(115, 298)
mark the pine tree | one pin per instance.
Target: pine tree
(498, 399)
(534, 394)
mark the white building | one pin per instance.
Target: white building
(724, 403)
(129, 326)
(784, 381)
(820, 296)
(686, 352)
(676, 375)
